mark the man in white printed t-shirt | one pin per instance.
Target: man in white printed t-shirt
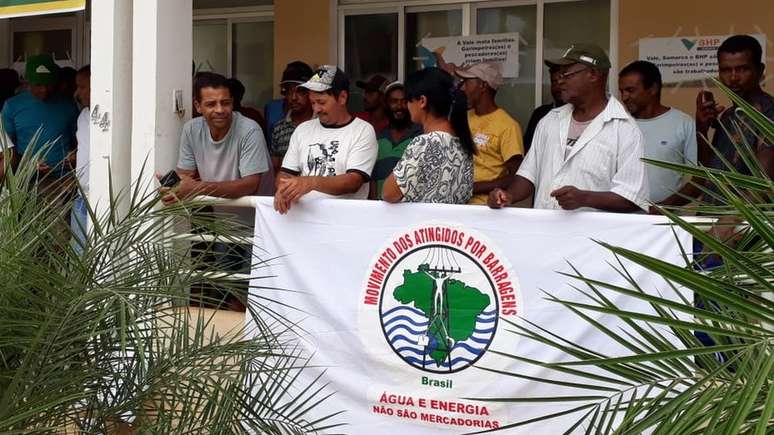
(332, 154)
(586, 154)
(670, 135)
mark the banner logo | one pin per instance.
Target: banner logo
(440, 292)
(688, 43)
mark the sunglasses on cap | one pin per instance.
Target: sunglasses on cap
(289, 89)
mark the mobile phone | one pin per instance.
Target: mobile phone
(171, 179)
(707, 97)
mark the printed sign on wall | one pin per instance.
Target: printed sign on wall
(500, 48)
(683, 58)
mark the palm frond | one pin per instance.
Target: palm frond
(670, 382)
(100, 332)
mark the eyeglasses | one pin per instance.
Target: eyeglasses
(567, 75)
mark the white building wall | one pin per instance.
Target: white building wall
(162, 65)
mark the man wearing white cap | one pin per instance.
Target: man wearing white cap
(332, 154)
(497, 135)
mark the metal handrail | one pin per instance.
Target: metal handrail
(251, 201)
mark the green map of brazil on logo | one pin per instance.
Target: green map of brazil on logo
(439, 309)
(451, 307)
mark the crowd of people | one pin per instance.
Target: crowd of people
(440, 137)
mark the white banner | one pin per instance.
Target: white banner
(500, 48)
(687, 58)
(404, 305)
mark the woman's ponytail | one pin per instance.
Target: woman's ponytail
(458, 117)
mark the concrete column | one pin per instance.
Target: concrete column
(111, 98)
(163, 49)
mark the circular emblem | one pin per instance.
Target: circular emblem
(440, 292)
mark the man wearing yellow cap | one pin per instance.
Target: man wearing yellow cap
(497, 135)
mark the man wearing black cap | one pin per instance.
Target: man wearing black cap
(332, 154)
(373, 101)
(585, 154)
(276, 110)
(299, 109)
(394, 139)
(540, 112)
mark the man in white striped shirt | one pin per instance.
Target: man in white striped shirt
(586, 154)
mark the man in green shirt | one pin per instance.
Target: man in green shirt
(400, 131)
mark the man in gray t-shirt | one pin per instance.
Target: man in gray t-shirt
(222, 153)
(670, 135)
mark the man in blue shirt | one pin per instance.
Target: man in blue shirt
(41, 120)
(276, 110)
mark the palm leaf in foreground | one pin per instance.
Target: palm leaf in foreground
(670, 382)
(98, 334)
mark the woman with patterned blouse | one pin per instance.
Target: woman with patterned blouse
(437, 166)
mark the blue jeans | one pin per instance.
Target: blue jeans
(232, 258)
(78, 220)
(706, 264)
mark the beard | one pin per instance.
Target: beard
(399, 122)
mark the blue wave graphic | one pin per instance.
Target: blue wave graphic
(483, 331)
(410, 350)
(483, 341)
(399, 337)
(406, 328)
(471, 349)
(480, 320)
(456, 347)
(404, 308)
(407, 319)
(454, 362)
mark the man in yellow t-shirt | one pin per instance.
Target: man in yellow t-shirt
(497, 135)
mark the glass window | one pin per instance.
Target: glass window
(209, 46)
(58, 43)
(253, 60)
(252, 55)
(432, 24)
(371, 48)
(517, 96)
(566, 23)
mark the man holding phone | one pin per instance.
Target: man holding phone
(222, 153)
(740, 69)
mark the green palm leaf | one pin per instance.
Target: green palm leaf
(100, 333)
(669, 382)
